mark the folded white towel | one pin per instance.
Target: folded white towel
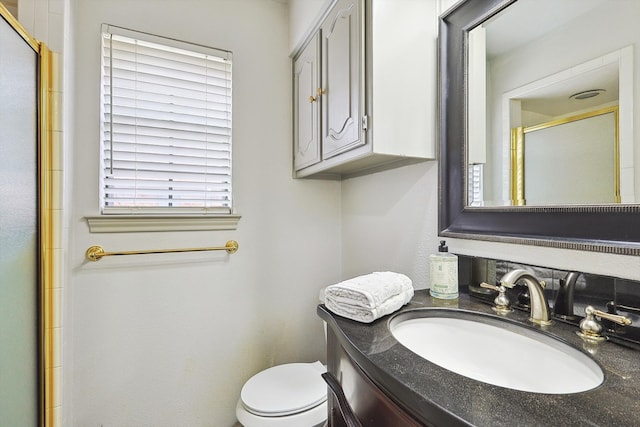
(369, 290)
(368, 315)
(369, 297)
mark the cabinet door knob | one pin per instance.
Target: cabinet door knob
(321, 91)
(312, 99)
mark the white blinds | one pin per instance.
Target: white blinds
(166, 125)
(476, 196)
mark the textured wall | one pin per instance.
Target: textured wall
(166, 340)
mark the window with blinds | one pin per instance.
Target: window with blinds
(166, 126)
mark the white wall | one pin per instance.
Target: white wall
(304, 14)
(167, 340)
(389, 222)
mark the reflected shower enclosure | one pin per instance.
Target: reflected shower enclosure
(569, 161)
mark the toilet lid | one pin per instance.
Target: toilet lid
(285, 389)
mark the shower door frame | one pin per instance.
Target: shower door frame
(44, 192)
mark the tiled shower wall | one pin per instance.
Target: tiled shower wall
(44, 20)
(57, 255)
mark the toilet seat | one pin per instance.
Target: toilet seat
(314, 417)
(285, 390)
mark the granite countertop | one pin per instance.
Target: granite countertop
(437, 396)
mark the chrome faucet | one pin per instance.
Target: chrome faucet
(563, 305)
(537, 300)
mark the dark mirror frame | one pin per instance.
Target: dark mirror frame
(600, 228)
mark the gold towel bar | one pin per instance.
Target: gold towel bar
(95, 253)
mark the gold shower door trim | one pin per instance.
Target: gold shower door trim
(46, 309)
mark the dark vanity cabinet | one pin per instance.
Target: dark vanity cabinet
(376, 381)
(354, 400)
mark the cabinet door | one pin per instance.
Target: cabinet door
(342, 81)
(369, 404)
(306, 106)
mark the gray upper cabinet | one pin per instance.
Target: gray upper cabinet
(306, 126)
(342, 98)
(367, 100)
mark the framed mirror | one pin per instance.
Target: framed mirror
(538, 141)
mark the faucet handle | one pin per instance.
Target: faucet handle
(617, 318)
(591, 329)
(505, 284)
(501, 302)
(490, 286)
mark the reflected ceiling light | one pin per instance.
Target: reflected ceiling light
(586, 94)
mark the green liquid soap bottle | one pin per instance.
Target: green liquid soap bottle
(443, 268)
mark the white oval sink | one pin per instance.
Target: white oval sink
(497, 352)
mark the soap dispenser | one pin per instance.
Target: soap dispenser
(443, 268)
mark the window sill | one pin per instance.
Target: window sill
(143, 223)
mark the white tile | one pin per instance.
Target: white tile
(41, 21)
(26, 12)
(56, 67)
(54, 416)
(57, 375)
(56, 6)
(55, 32)
(56, 307)
(57, 261)
(56, 388)
(57, 348)
(57, 153)
(56, 190)
(56, 228)
(56, 111)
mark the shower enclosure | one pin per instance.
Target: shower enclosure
(24, 231)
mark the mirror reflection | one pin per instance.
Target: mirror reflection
(550, 99)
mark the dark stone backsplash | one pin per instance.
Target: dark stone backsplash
(611, 294)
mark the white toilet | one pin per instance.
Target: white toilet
(290, 395)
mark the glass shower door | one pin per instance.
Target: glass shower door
(19, 236)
